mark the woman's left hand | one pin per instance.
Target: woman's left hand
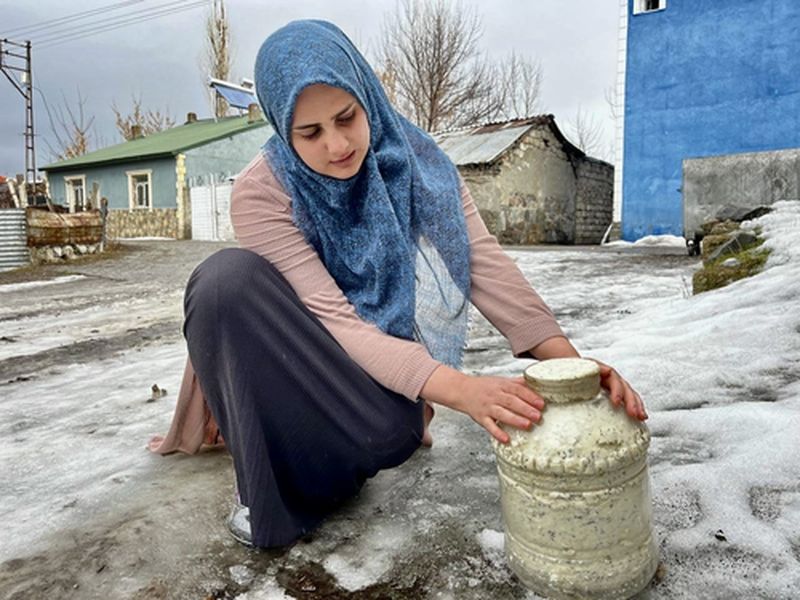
(620, 392)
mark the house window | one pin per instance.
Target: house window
(76, 193)
(645, 6)
(140, 190)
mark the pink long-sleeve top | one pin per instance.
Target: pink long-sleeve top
(262, 220)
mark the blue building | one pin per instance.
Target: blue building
(146, 181)
(703, 78)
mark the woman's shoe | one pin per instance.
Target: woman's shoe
(239, 524)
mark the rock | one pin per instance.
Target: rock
(737, 241)
(82, 248)
(759, 211)
(741, 213)
(157, 393)
(69, 252)
(731, 263)
(712, 242)
(94, 248)
(724, 227)
(732, 212)
(58, 252)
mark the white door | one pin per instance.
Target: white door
(211, 212)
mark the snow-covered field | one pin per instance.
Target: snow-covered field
(87, 511)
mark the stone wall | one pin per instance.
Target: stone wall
(528, 197)
(159, 222)
(594, 205)
(62, 253)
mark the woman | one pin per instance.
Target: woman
(319, 348)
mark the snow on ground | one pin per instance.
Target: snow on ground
(40, 331)
(720, 373)
(28, 285)
(75, 440)
(651, 241)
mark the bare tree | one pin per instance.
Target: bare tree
(441, 78)
(435, 73)
(218, 56)
(521, 80)
(71, 128)
(148, 121)
(588, 134)
(388, 79)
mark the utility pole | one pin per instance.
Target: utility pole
(13, 61)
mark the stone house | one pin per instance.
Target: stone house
(146, 180)
(532, 185)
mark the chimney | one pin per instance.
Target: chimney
(191, 118)
(136, 132)
(247, 83)
(253, 113)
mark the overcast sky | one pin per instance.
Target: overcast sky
(158, 60)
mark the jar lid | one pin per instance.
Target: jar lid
(564, 379)
(581, 432)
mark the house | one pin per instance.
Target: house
(146, 180)
(531, 185)
(711, 109)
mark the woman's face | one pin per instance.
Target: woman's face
(330, 131)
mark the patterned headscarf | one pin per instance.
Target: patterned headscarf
(366, 229)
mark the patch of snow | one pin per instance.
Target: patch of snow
(492, 544)
(29, 285)
(266, 590)
(63, 325)
(660, 241)
(363, 560)
(241, 574)
(76, 440)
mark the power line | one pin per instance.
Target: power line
(74, 17)
(90, 29)
(101, 24)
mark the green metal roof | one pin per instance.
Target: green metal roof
(164, 143)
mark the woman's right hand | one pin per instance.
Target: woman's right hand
(488, 400)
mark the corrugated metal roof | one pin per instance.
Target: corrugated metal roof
(164, 143)
(486, 143)
(470, 148)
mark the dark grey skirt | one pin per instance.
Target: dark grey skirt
(306, 426)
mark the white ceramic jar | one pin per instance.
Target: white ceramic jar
(575, 490)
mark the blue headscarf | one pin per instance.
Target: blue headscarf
(366, 228)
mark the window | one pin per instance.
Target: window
(644, 6)
(139, 190)
(76, 193)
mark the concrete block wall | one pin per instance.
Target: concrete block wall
(747, 180)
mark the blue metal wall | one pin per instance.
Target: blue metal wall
(703, 78)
